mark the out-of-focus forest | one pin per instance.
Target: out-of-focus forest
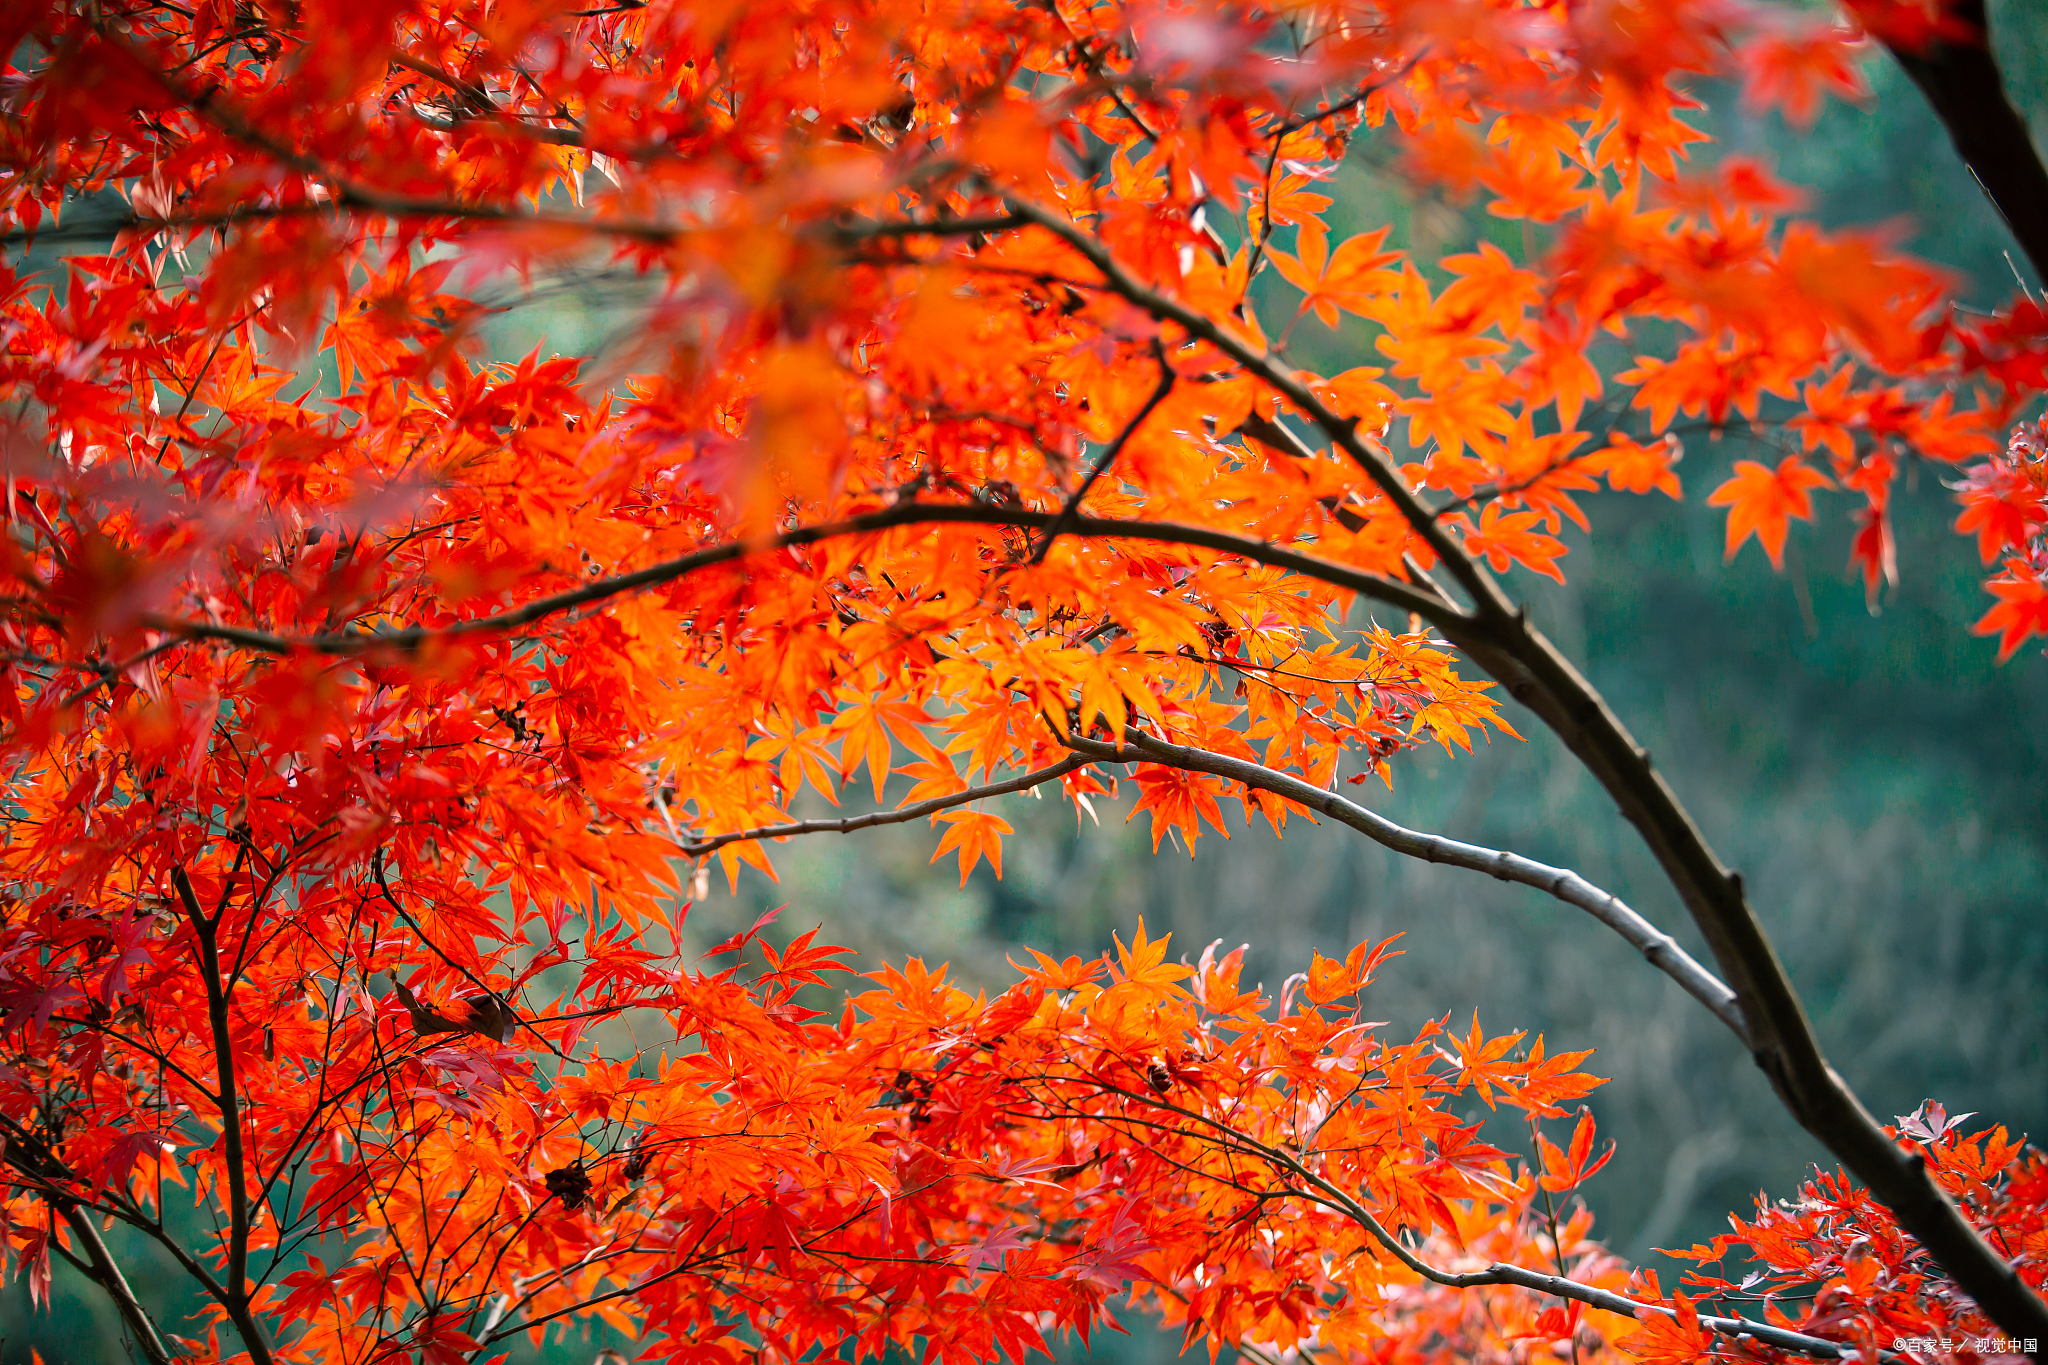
(1877, 778)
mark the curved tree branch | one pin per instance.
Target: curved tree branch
(1319, 1189)
(1659, 948)
(1961, 80)
(355, 644)
(1781, 1038)
(1498, 637)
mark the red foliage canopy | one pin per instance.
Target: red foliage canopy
(367, 703)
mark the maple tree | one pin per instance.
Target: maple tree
(370, 704)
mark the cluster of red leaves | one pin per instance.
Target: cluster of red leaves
(363, 700)
(2005, 505)
(1833, 1261)
(936, 1171)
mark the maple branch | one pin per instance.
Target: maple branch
(1500, 639)
(479, 99)
(1780, 1036)
(1323, 1191)
(1428, 605)
(235, 1276)
(41, 1170)
(622, 1292)
(106, 674)
(1353, 100)
(1093, 60)
(554, 137)
(842, 234)
(1275, 435)
(104, 1271)
(852, 232)
(1659, 948)
(1072, 509)
(1508, 488)
(1282, 378)
(156, 1055)
(99, 1265)
(1962, 82)
(900, 815)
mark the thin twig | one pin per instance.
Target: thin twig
(1072, 509)
(901, 815)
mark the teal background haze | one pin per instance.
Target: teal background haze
(1877, 779)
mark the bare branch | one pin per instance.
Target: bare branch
(1962, 81)
(1659, 948)
(107, 1274)
(844, 234)
(901, 815)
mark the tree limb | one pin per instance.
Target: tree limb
(843, 234)
(1498, 637)
(1659, 948)
(235, 1276)
(107, 1274)
(352, 644)
(33, 1163)
(1962, 82)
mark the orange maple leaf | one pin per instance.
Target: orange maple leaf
(1662, 1340)
(1761, 501)
(1144, 962)
(1567, 1170)
(978, 835)
(1504, 538)
(1348, 279)
(2022, 608)
(1484, 1062)
(1178, 799)
(1072, 974)
(1635, 468)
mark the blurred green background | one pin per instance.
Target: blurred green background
(1878, 780)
